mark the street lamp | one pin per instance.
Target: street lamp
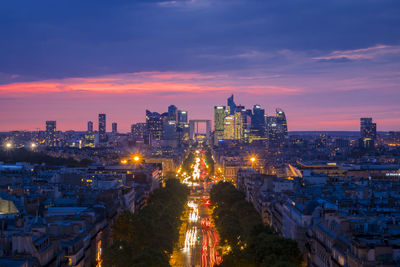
(33, 145)
(253, 160)
(8, 145)
(124, 161)
(136, 158)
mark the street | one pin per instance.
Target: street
(198, 242)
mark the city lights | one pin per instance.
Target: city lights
(190, 239)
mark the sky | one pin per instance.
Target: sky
(325, 63)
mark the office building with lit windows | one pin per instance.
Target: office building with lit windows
(51, 140)
(154, 127)
(138, 130)
(182, 116)
(102, 128)
(219, 116)
(367, 133)
(258, 121)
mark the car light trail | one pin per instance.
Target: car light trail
(190, 239)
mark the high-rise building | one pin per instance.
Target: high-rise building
(282, 126)
(246, 117)
(272, 132)
(169, 130)
(277, 130)
(231, 105)
(172, 113)
(102, 128)
(258, 121)
(367, 133)
(114, 127)
(233, 127)
(138, 130)
(238, 126)
(219, 115)
(154, 127)
(281, 120)
(182, 128)
(90, 127)
(229, 127)
(51, 140)
(182, 116)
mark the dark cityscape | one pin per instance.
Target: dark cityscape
(199, 133)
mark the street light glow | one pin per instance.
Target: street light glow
(8, 145)
(136, 158)
(124, 161)
(33, 145)
(253, 159)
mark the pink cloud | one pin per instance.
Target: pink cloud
(363, 53)
(144, 83)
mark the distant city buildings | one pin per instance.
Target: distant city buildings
(138, 131)
(51, 140)
(114, 127)
(90, 127)
(367, 133)
(182, 116)
(102, 128)
(236, 123)
(154, 127)
(219, 117)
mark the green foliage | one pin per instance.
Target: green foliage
(187, 163)
(146, 238)
(240, 226)
(210, 161)
(24, 155)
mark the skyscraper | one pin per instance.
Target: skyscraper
(102, 128)
(281, 121)
(229, 127)
(219, 115)
(233, 127)
(169, 130)
(154, 127)
(367, 133)
(282, 126)
(172, 110)
(51, 133)
(272, 132)
(182, 116)
(114, 128)
(258, 121)
(277, 130)
(231, 105)
(182, 127)
(90, 127)
(138, 130)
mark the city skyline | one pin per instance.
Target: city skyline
(313, 60)
(110, 125)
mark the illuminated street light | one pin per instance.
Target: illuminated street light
(8, 145)
(124, 161)
(33, 145)
(136, 158)
(253, 159)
